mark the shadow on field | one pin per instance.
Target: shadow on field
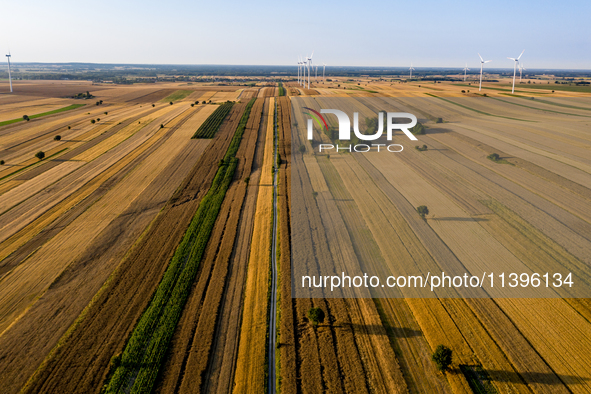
(533, 377)
(372, 329)
(458, 219)
(437, 130)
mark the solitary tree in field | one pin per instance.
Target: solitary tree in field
(442, 357)
(69, 127)
(171, 103)
(153, 105)
(1, 162)
(246, 180)
(314, 194)
(493, 157)
(57, 138)
(316, 315)
(423, 211)
(302, 148)
(92, 121)
(161, 126)
(40, 155)
(26, 117)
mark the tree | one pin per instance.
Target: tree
(171, 103)
(40, 155)
(494, 157)
(101, 101)
(314, 194)
(442, 357)
(302, 148)
(92, 121)
(316, 315)
(57, 138)
(246, 180)
(418, 129)
(69, 127)
(192, 105)
(153, 105)
(423, 211)
(1, 162)
(26, 117)
(161, 126)
(106, 113)
(98, 119)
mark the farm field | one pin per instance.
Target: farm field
(136, 255)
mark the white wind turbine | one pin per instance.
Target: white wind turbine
(411, 68)
(298, 71)
(466, 69)
(323, 69)
(309, 64)
(515, 61)
(521, 68)
(304, 63)
(9, 76)
(316, 73)
(482, 62)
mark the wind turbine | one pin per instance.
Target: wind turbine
(316, 74)
(411, 68)
(482, 62)
(515, 69)
(298, 71)
(305, 64)
(323, 69)
(466, 69)
(9, 76)
(521, 68)
(309, 64)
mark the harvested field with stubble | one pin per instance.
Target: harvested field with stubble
(136, 256)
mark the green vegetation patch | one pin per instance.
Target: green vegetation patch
(210, 127)
(177, 95)
(55, 111)
(137, 368)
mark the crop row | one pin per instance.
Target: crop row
(213, 122)
(139, 364)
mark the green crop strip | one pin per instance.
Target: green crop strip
(137, 368)
(177, 95)
(55, 111)
(213, 122)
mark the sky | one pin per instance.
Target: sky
(341, 33)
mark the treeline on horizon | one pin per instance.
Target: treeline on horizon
(129, 73)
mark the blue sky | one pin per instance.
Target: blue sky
(369, 33)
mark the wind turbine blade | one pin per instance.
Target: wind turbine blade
(481, 59)
(488, 61)
(521, 54)
(512, 58)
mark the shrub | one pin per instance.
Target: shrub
(423, 211)
(161, 126)
(92, 121)
(98, 119)
(302, 148)
(418, 129)
(68, 127)
(494, 157)
(153, 105)
(40, 155)
(442, 357)
(57, 138)
(463, 91)
(106, 113)
(316, 315)
(421, 148)
(246, 180)
(314, 194)
(192, 105)
(1, 162)
(26, 117)
(170, 103)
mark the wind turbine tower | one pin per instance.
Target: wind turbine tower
(9, 76)
(466, 69)
(411, 68)
(515, 62)
(482, 62)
